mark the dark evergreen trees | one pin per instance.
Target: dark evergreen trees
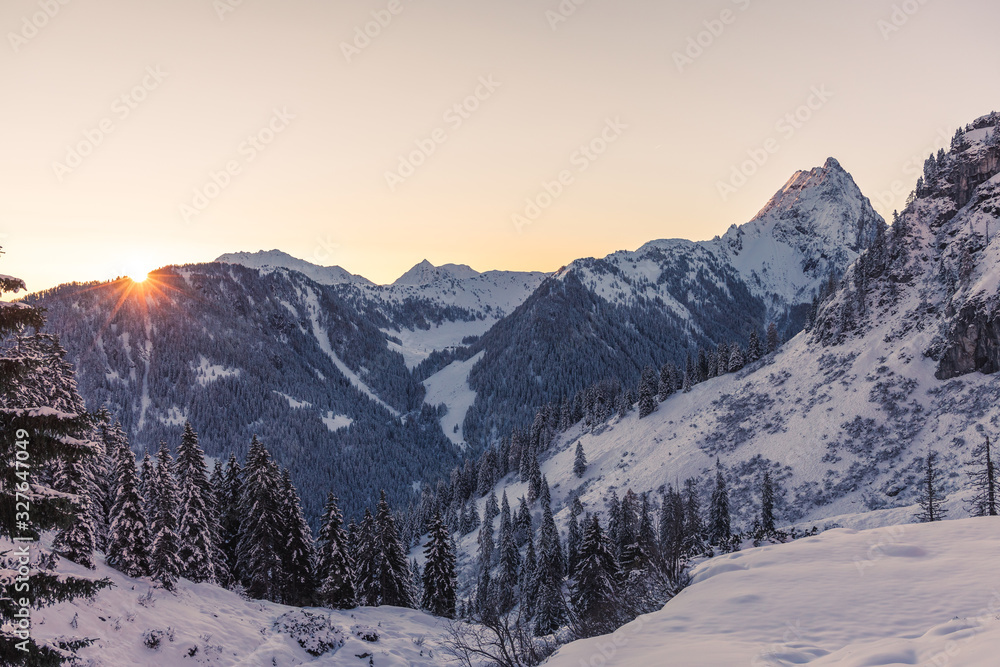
(719, 528)
(594, 591)
(164, 503)
(767, 504)
(229, 515)
(931, 498)
(195, 529)
(336, 566)
(550, 613)
(369, 562)
(128, 535)
(580, 461)
(394, 577)
(648, 391)
(439, 571)
(261, 532)
(297, 551)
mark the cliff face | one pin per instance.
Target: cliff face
(974, 344)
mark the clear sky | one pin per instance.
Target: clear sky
(138, 134)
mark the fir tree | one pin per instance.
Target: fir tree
(551, 605)
(594, 592)
(77, 541)
(754, 351)
(736, 358)
(573, 538)
(147, 485)
(36, 417)
(297, 549)
(534, 476)
(984, 480)
(672, 533)
(195, 529)
(261, 532)
(369, 562)
(666, 385)
(229, 513)
(772, 337)
(439, 571)
(719, 529)
(507, 578)
(165, 563)
(931, 498)
(523, 528)
(336, 567)
(394, 578)
(694, 527)
(128, 536)
(767, 504)
(648, 388)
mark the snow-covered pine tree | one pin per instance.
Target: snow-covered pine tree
(336, 566)
(594, 591)
(931, 500)
(217, 504)
(754, 350)
(507, 577)
(672, 535)
(105, 484)
(128, 535)
(147, 485)
(195, 529)
(694, 526)
(666, 385)
(719, 523)
(34, 418)
(551, 605)
(528, 585)
(686, 386)
(260, 527)
(767, 519)
(573, 538)
(772, 336)
(394, 577)
(546, 494)
(229, 516)
(368, 561)
(534, 476)
(439, 571)
(736, 358)
(523, 528)
(983, 479)
(77, 477)
(579, 461)
(297, 551)
(648, 389)
(165, 563)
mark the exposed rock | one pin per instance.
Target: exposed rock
(974, 344)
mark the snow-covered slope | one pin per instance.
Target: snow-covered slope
(907, 595)
(268, 260)
(135, 624)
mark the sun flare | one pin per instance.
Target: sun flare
(138, 276)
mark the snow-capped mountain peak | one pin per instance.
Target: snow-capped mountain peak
(268, 260)
(426, 273)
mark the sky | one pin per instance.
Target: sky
(520, 135)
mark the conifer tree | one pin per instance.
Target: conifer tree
(767, 504)
(38, 414)
(261, 533)
(229, 512)
(736, 358)
(439, 571)
(394, 578)
(551, 605)
(573, 538)
(672, 533)
(297, 549)
(128, 535)
(336, 566)
(719, 529)
(523, 528)
(369, 562)
(694, 527)
(772, 337)
(77, 541)
(648, 389)
(579, 461)
(165, 562)
(931, 498)
(147, 485)
(754, 351)
(983, 481)
(195, 529)
(507, 578)
(594, 592)
(534, 476)
(666, 384)
(528, 587)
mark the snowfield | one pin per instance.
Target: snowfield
(203, 624)
(917, 594)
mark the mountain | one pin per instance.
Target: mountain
(901, 360)
(242, 352)
(611, 317)
(426, 273)
(269, 260)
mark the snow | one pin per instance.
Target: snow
(294, 403)
(223, 629)
(425, 273)
(419, 343)
(336, 422)
(913, 594)
(269, 260)
(207, 372)
(312, 305)
(450, 386)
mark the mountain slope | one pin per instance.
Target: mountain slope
(240, 352)
(905, 595)
(610, 317)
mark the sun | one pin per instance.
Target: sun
(138, 276)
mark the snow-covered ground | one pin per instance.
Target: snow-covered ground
(918, 594)
(203, 624)
(450, 386)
